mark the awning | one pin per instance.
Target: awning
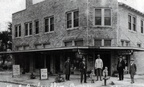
(74, 48)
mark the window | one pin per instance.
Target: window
(127, 43)
(79, 43)
(131, 22)
(18, 30)
(134, 24)
(142, 28)
(107, 42)
(36, 26)
(98, 42)
(122, 43)
(28, 29)
(72, 19)
(103, 17)
(139, 44)
(68, 43)
(49, 24)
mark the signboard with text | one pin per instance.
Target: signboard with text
(43, 74)
(16, 70)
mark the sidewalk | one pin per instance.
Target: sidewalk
(74, 81)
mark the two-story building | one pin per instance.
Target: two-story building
(46, 33)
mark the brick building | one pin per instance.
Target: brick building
(46, 33)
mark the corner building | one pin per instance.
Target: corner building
(46, 33)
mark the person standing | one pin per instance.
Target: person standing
(98, 66)
(67, 66)
(83, 70)
(120, 68)
(132, 70)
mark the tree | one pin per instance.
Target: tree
(5, 41)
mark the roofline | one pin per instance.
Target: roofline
(131, 8)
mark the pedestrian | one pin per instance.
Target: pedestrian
(67, 66)
(98, 67)
(120, 68)
(105, 72)
(83, 70)
(132, 70)
(92, 76)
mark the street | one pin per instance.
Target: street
(9, 85)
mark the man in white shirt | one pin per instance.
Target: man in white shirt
(98, 67)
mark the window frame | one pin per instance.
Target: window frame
(132, 24)
(29, 30)
(36, 26)
(142, 26)
(72, 19)
(102, 17)
(49, 24)
(18, 30)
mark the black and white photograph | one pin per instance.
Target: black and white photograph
(71, 43)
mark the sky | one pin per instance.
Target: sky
(7, 7)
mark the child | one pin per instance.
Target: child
(105, 72)
(92, 76)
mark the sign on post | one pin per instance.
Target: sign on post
(43, 74)
(16, 70)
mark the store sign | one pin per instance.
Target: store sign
(43, 74)
(125, 52)
(16, 70)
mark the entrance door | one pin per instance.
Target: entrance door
(57, 64)
(106, 57)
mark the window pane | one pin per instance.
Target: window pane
(76, 18)
(15, 31)
(79, 43)
(129, 22)
(69, 20)
(134, 23)
(30, 28)
(69, 43)
(52, 24)
(97, 16)
(141, 26)
(26, 29)
(107, 18)
(19, 31)
(107, 42)
(98, 43)
(37, 27)
(46, 25)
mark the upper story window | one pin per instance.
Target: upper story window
(36, 26)
(72, 19)
(18, 30)
(142, 27)
(125, 43)
(138, 44)
(103, 17)
(98, 42)
(28, 28)
(132, 22)
(107, 42)
(49, 24)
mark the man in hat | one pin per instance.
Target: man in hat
(120, 68)
(67, 66)
(132, 70)
(83, 70)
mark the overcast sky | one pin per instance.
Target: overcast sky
(7, 7)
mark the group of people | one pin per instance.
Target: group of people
(98, 69)
(121, 67)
